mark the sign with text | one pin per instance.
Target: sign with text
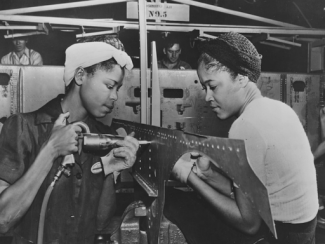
(160, 11)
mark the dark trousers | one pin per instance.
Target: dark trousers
(295, 233)
(200, 224)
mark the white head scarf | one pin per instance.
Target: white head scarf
(90, 53)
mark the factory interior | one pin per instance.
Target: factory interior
(165, 105)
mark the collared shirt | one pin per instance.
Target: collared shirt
(73, 210)
(180, 65)
(29, 57)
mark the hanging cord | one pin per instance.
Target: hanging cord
(64, 168)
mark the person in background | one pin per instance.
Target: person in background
(172, 51)
(277, 150)
(21, 55)
(32, 147)
(320, 150)
(319, 153)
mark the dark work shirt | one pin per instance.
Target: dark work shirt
(181, 65)
(73, 212)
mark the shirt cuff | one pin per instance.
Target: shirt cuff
(115, 175)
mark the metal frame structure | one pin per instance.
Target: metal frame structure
(155, 162)
(285, 29)
(228, 148)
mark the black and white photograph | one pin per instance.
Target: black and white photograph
(162, 121)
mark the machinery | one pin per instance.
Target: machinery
(185, 118)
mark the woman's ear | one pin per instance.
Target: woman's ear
(164, 51)
(79, 76)
(243, 80)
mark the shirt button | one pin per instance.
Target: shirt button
(78, 176)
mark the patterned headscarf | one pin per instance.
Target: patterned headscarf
(235, 52)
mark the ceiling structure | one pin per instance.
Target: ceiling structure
(282, 24)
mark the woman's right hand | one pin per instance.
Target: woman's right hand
(64, 138)
(202, 168)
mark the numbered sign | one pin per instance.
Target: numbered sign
(160, 11)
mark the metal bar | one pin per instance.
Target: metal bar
(60, 6)
(143, 61)
(33, 33)
(150, 190)
(154, 27)
(236, 13)
(57, 20)
(98, 33)
(312, 32)
(269, 38)
(155, 96)
(275, 45)
(202, 34)
(18, 27)
(77, 28)
(224, 28)
(198, 25)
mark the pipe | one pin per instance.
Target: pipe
(143, 61)
(60, 6)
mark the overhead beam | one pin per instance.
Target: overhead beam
(33, 33)
(236, 13)
(181, 27)
(98, 33)
(270, 38)
(60, 6)
(18, 27)
(152, 26)
(57, 20)
(275, 45)
(313, 32)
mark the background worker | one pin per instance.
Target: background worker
(21, 54)
(277, 149)
(32, 147)
(172, 51)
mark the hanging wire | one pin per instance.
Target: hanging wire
(302, 14)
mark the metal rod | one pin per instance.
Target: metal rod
(314, 32)
(60, 6)
(269, 38)
(33, 33)
(199, 25)
(275, 45)
(155, 95)
(167, 26)
(57, 20)
(18, 27)
(143, 61)
(236, 13)
(98, 33)
(224, 28)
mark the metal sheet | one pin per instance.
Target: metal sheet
(155, 162)
(39, 85)
(32, 86)
(190, 112)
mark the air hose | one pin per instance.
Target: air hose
(42, 215)
(63, 169)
